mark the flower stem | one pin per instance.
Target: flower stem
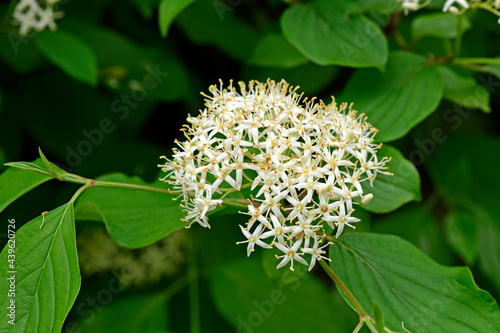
(492, 61)
(71, 178)
(343, 288)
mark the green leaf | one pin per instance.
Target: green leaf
(440, 25)
(69, 53)
(464, 90)
(412, 288)
(400, 98)
(390, 192)
(327, 35)
(461, 234)
(249, 301)
(28, 166)
(19, 179)
(416, 225)
(273, 50)
(139, 313)
(168, 10)
(135, 69)
(379, 317)
(47, 276)
(133, 219)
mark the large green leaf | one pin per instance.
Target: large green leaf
(390, 192)
(273, 50)
(412, 288)
(416, 225)
(248, 300)
(464, 90)
(168, 10)
(15, 181)
(70, 53)
(47, 276)
(133, 219)
(398, 99)
(138, 313)
(327, 35)
(441, 25)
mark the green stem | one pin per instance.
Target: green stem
(79, 191)
(477, 68)
(235, 203)
(492, 61)
(369, 324)
(358, 327)
(71, 178)
(338, 282)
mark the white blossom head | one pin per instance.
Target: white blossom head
(301, 162)
(35, 15)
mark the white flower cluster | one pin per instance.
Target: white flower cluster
(303, 164)
(35, 15)
(455, 7)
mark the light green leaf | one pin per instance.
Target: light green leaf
(464, 90)
(397, 100)
(390, 192)
(412, 288)
(21, 178)
(133, 219)
(69, 53)
(248, 300)
(327, 35)
(461, 234)
(28, 166)
(440, 25)
(273, 50)
(168, 10)
(138, 313)
(47, 276)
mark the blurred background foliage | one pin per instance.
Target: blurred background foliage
(203, 279)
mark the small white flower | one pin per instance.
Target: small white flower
(449, 3)
(34, 15)
(290, 254)
(252, 239)
(316, 252)
(340, 220)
